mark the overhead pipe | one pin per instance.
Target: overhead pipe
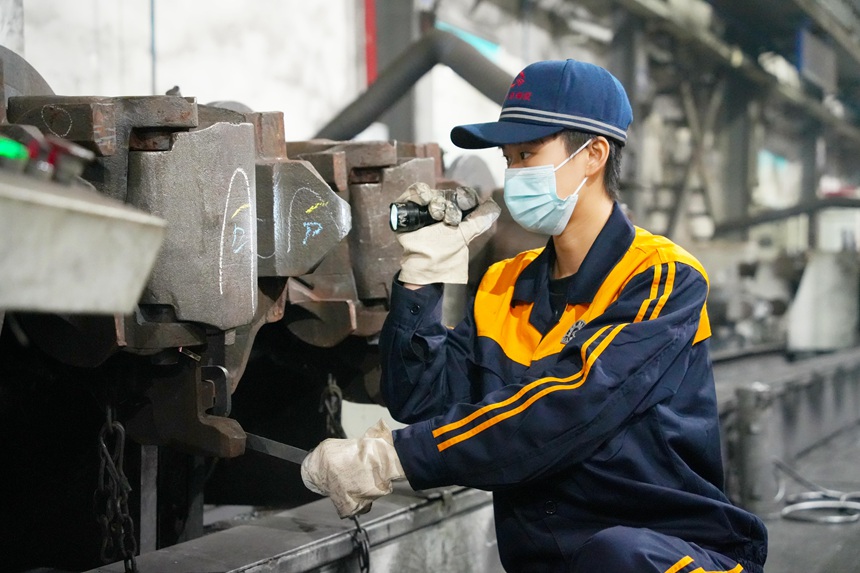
(435, 47)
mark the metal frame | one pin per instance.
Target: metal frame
(783, 419)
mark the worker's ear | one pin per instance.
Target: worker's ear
(598, 154)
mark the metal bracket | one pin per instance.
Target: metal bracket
(220, 378)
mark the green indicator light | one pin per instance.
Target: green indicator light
(11, 149)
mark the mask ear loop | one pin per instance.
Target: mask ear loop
(575, 193)
(574, 154)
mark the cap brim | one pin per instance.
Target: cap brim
(498, 133)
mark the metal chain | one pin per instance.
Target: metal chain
(330, 403)
(111, 497)
(361, 540)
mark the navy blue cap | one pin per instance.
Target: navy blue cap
(548, 97)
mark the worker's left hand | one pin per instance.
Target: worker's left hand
(354, 472)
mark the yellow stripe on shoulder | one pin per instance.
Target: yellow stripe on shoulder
(650, 250)
(667, 290)
(655, 286)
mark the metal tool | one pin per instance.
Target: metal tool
(275, 449)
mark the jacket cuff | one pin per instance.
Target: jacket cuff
(412, 308)
(421, 460)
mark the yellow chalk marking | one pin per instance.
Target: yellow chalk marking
(245, 206)
(313, 208)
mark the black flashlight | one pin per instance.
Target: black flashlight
(409, 216)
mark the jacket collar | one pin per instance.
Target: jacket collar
(608, 248)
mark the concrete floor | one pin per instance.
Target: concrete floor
(797, 546)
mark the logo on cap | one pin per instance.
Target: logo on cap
(525, 96)
(517, 83)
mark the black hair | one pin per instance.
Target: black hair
(573, 140)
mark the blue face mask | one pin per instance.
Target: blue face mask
(531, 197)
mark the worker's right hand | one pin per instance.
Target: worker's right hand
(440, 253)
(354, 472)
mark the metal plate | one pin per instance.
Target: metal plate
(444, 530)
(69, 249)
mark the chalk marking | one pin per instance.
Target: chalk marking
(317, 206)
(312, 229)
(238, 171)
(290, 215)
(238, 234)
(245, 206)
(48, 125)
(275, 229)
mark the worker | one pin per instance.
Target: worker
(578, 389)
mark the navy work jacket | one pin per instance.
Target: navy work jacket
(606, 417)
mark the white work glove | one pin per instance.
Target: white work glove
(440, 253)
(354, 472)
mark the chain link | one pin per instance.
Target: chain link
(330, 403)
(361, 540)
(111, 497)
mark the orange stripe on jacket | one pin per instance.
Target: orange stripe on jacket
(667, 290)
(655, 286)
(490, 407)
(496, 319)
(513, 412)
(736, 569)
(683, 562)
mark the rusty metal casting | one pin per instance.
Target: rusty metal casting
(207, 269)
(299, 218)
(347, 294)
(255, 234)
(177, 415)
(107, 126)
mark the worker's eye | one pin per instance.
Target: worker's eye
(520, 156)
